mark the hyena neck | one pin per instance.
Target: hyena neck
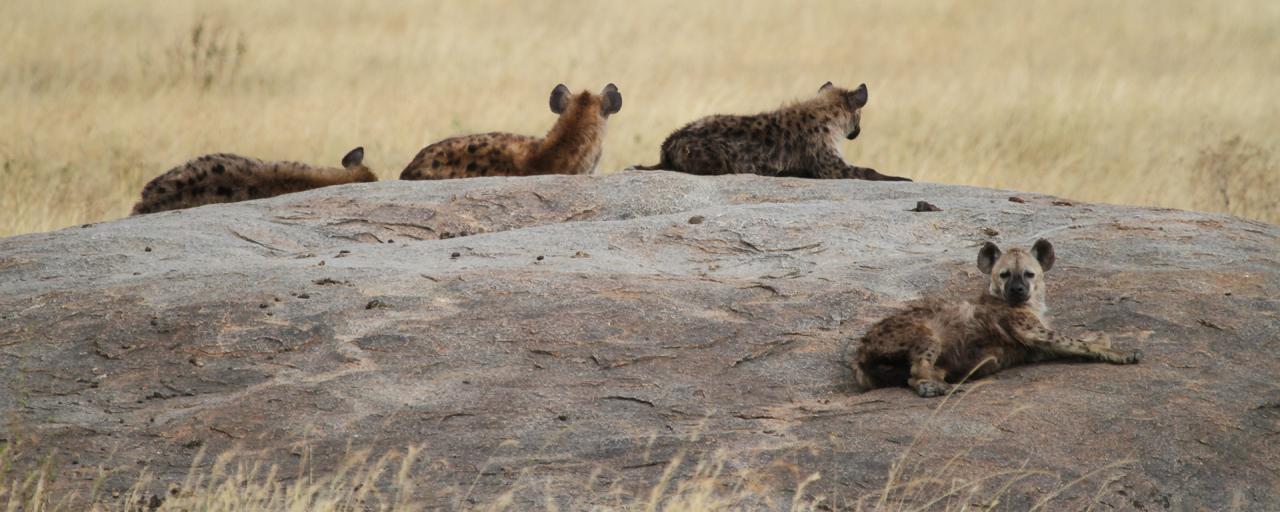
(1035, 305)
(823, 112)
(828, 111)
(572, 146)
(1038, 304)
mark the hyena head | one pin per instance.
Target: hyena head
(850, 101)
(1017, 276)
(353, 162)
(605, 104)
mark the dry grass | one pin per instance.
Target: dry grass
(1094, 100)
(391, 482)
(924, 477)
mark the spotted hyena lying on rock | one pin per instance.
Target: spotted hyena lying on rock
(227, 178)
(798, 140)
(935, 342)
(573, 145)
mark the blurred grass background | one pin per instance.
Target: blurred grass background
(1169, 102)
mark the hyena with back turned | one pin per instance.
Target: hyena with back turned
(228, 178)
(573, 146)
(936, 342)
(798, 140)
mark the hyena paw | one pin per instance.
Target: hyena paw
(862, 381)
(1130, 357)
(870, 174)
(929, 388)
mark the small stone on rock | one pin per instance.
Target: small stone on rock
(924, 206)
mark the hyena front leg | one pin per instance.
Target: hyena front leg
(831, 166)
(1052, 342)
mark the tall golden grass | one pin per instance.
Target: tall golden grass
(1094, 100)
(924, 476)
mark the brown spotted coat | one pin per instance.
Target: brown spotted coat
(934, 342)
(798, 140)
(227, 178)
(573, 146)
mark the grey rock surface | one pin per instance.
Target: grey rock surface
(565, 337)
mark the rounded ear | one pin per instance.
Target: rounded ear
(859, 96)
(987, 257)
(612, 99)
(1043, 251)
(354, 157)
(559, 99)
(826, 86)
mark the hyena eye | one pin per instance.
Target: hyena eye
(1029, 274)
(1004, 275)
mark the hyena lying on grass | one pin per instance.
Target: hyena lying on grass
(798, 140)
(935, 342)
(227, 178)
(573, 145)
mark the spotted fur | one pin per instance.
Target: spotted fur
(227, 178)
(573, 146)
(934, 343)
(798, 140)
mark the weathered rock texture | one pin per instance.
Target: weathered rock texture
(564, 335)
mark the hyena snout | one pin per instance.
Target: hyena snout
(1016, 291)
(854, 134)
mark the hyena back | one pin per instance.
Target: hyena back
(798, 140)
(228, 178)
(572, 146)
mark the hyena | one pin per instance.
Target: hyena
(227, 178)
(797, 140)
(934, 341)
(573, 145)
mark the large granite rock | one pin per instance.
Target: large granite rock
(566, 338)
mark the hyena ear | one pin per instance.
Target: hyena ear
(559, 99)
(987, 257)
(354, 157)
(612, 99)
(826, 86)
(858, 98)
(1043, 251)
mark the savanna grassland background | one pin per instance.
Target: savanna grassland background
(1156, 102)
(1169, 103)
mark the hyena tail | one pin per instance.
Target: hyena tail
(658, 167)
(870, 374)
(664, 162)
